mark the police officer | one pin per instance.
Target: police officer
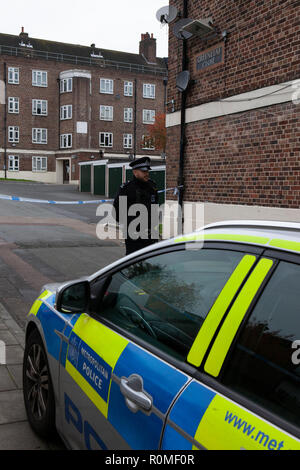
(141, 190)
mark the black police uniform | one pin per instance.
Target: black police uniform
(138, 192)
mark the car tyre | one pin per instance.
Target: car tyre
(37, 387)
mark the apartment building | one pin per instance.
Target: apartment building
(62, 104)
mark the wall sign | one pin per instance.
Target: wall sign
(210, 58)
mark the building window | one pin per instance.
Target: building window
(65, 141)
(13, 163)
(39, 78)
(13, 105)
(13, 134)
(39, 136)
(127, 141)
(106, 86)
(66, 85)
(148, 142)
(39, 163)
(128, 88)
(106, 113)
(40, 107)
(13, 75)
(66, 112)
(105, 139)
(128, 114)
(148, 116)
(148, 90)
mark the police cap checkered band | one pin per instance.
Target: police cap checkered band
(141, 164)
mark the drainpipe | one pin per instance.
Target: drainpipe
(134, 118)
(5, 122)
(182, 127)
(58, 83)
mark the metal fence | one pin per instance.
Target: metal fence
(79, 60)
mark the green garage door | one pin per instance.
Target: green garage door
(114, 180)
(99, 179)
(85, 178)
(129, 174)
(159, 177)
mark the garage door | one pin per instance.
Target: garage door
(115, 180)
(85, 178)
(99, 179)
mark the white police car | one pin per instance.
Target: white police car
(192, 343)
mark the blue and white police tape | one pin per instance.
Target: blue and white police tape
(171, 189)
(44, 201)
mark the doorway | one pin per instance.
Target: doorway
(66, 171)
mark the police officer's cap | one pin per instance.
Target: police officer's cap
(141, 164)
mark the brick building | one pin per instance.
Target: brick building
(61, 104)
(242, 130)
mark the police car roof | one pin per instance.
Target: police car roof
(261, 228)
(273, 234)
(254, 232)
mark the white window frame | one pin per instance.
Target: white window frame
(66, 85)
(149, 91)
(106, 139)
(39, 78)
(127, 141)
(66, 112)
(146, 147)
(128, 114)
(13, 105)
(13, 134)
(39, 104)
(39, 135)
(65, 141)
(107, 86)
(148, 116)
(128, 88)
(13, 75)
(13, 163)
(106, 113)
(39, 164)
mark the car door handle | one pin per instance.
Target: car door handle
(132, 388)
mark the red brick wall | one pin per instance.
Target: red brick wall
(247, 158)
(25, 161)
(262, 47)
(119, 102)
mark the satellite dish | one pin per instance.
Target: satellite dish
(177, 30)
(183, 80)
(166, 14)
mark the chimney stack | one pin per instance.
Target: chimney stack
(148, 47)
(22, 35)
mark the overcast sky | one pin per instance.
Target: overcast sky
(110, 24)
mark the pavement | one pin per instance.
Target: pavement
(15, 432)
(38, 244)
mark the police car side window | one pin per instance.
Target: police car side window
(265, 364)
(165, 299)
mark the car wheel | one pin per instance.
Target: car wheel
(37, 387)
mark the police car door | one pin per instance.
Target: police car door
(126, 364)
(245, 393)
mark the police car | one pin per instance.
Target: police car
(192, 343)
